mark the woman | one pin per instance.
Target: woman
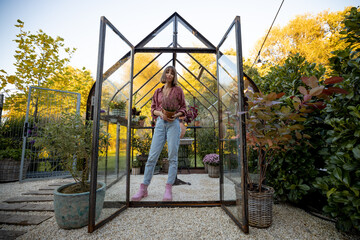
(166, 129)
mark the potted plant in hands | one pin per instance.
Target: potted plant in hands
(69, 139)
(169, 106)
(213, 163)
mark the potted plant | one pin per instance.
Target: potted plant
(275, 125)
(141, 143)
(69, 140)
(142, 119)
(136, 165)
(212, 161)
(169, 106)
(118, 108)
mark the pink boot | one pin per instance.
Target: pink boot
(141, 193)
(168, 193)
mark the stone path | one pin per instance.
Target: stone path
(33, 201)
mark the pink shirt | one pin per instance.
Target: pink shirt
(175, 92)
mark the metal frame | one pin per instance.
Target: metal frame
(94, 103)
(240, 83)
(26, 122)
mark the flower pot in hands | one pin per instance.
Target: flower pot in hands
(169, 114)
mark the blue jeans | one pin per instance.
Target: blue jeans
(169, 131)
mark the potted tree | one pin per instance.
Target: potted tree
(69, 140)
(273, 125)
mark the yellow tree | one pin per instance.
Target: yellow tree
(312, 36)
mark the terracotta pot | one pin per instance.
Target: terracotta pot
(197, 123)
(141, 123)
(183, 130)
(169, 114)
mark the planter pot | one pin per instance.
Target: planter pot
(183, 130)
(135, 171)
(72, 210)
(213, 171)
(118, 112)
(197, 123)
(142, 159)
(260, 207)
(169, 114)
(165, 165)
(206, 167)
(141, 123)
(10, 169)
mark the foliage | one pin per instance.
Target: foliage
(272, 127)
(117, 104)
(286, 77)
(37, 59)
(169, 104)
(212, 159)
(207, 141)
(68, 138)
(141, 143)
(191, 114)
(39, 62)
(136, 163)
(312, 36)
(341, 184)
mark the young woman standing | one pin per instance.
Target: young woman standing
(166, 129)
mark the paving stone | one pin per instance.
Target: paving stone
(21, 219)
(10, 234)
(39, 193)
(30, 199)
(47, 188)
(25, 207)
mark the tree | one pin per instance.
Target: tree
(37, 59)
(312, 36)
(38, 63)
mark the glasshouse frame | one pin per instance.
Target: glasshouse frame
(237, 99)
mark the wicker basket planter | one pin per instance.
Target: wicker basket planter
(260, 207)
(10, 169)
(213, 171)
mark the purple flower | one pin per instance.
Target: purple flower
(212, 159)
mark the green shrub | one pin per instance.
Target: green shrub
(341, 185)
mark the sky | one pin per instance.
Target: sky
(78, 21)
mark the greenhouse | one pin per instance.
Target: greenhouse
(265, 157)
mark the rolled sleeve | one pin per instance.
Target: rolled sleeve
(182, 103)
(155, 104)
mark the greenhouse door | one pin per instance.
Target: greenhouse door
(114, 78)
(233, 194)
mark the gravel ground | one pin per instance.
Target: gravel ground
(176, 223)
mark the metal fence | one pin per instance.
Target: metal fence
(43, 105)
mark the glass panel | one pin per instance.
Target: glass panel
(114, 114)
(186, 38)
(230, 142)
(164, 37)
